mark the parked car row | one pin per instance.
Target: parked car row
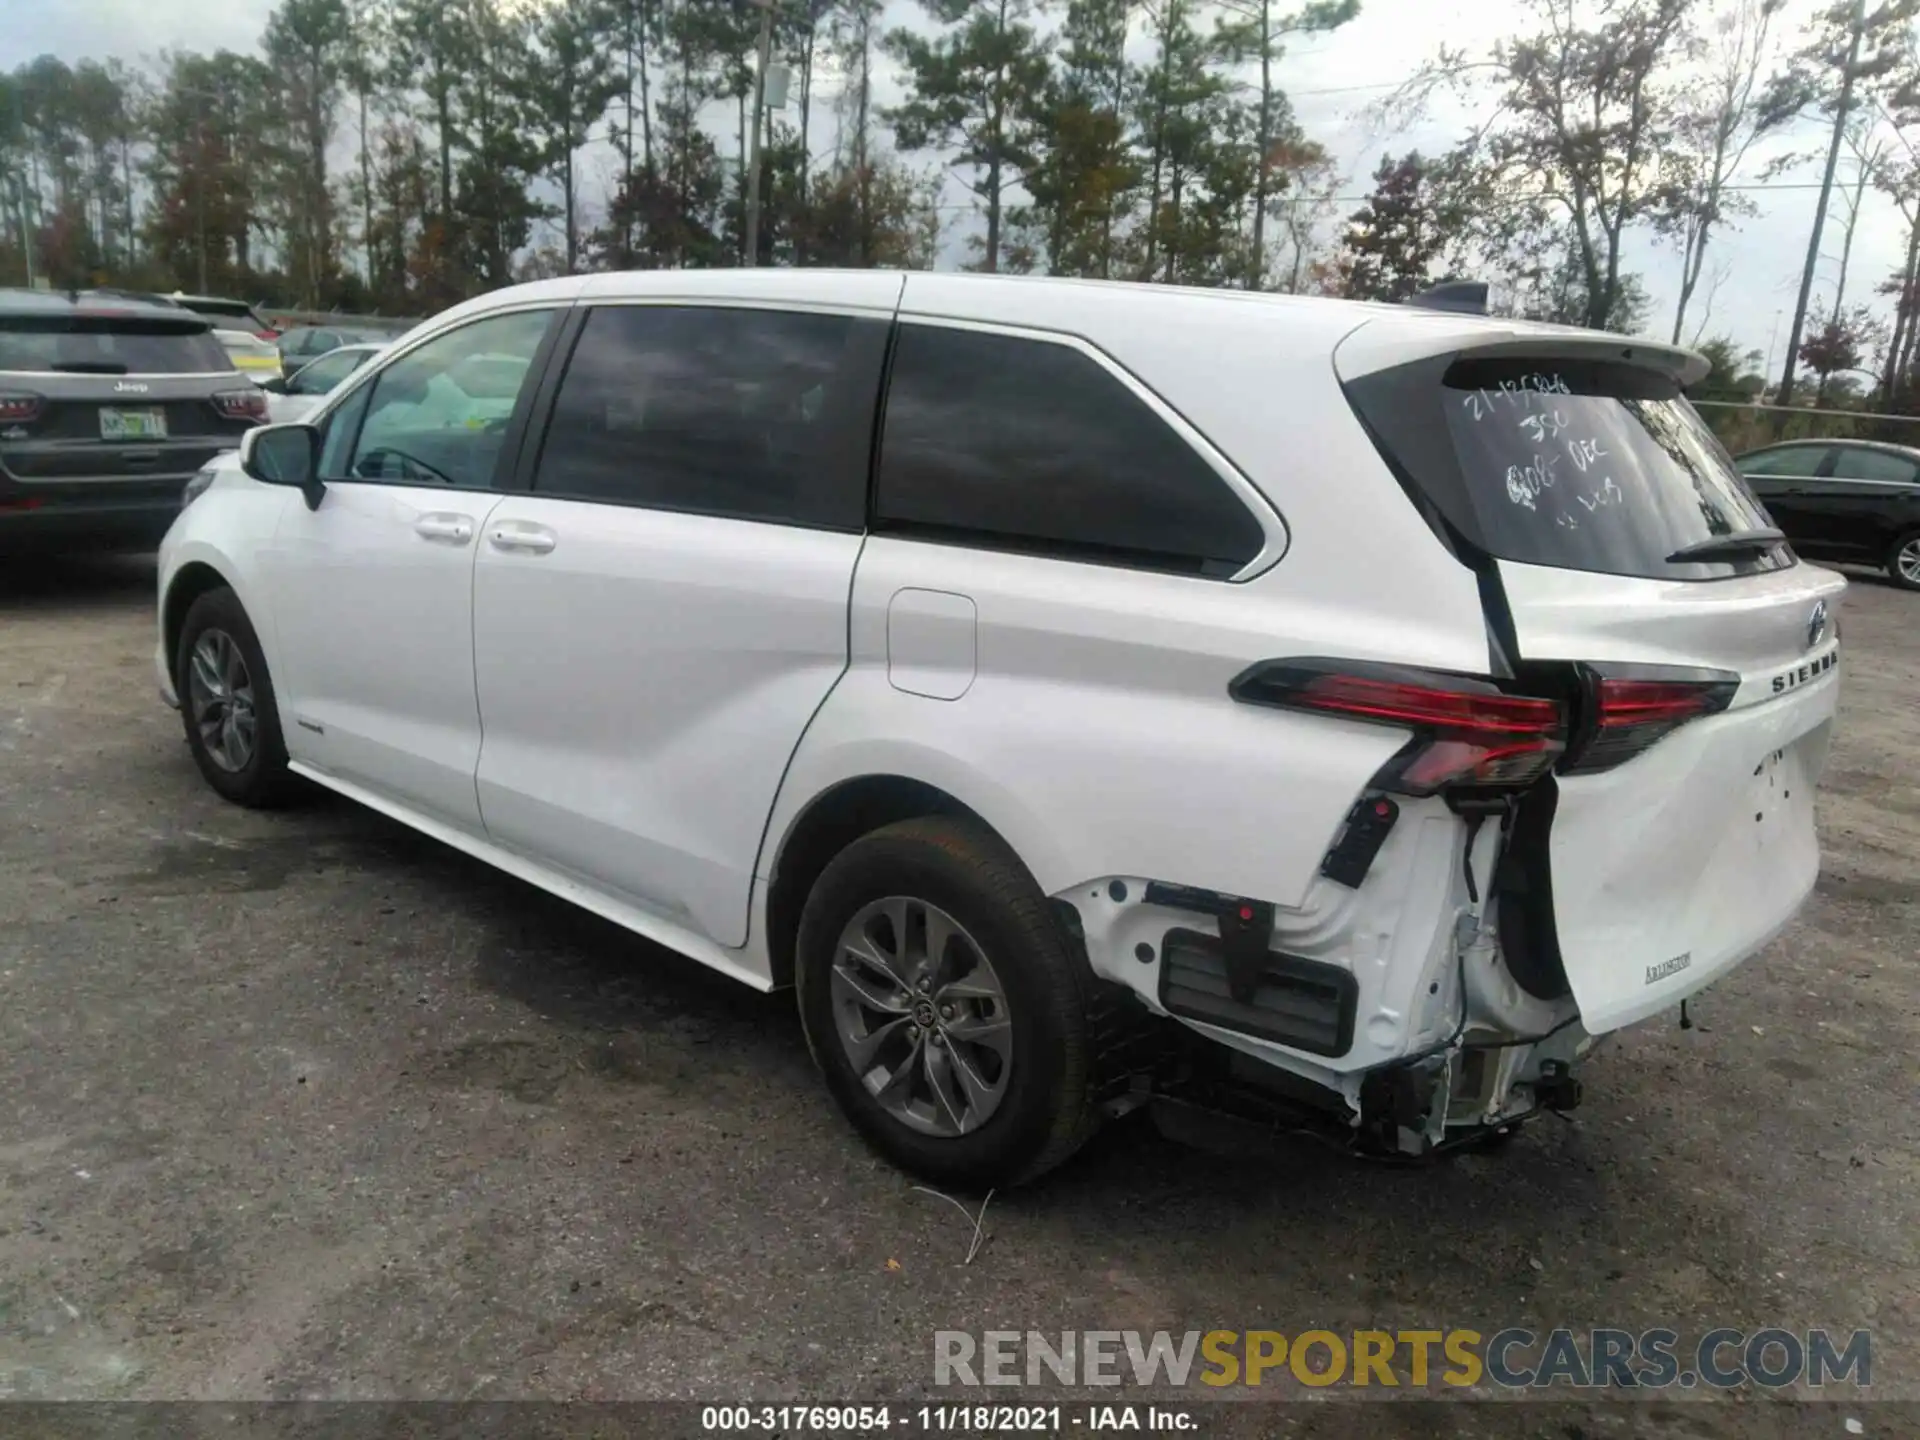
(237, 321)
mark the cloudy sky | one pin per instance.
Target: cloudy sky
(1333, 80)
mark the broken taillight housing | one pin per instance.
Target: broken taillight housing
(1628, 710)
(1468, 734)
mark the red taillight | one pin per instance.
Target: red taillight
(17, 408)
(250, 404)
(1467, 732)
(266, 334)
(1631, 713)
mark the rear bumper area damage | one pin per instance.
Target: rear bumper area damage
(1381, 1017)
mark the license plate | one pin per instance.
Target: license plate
(133, 424)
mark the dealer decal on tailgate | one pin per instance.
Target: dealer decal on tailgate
(1657, 973)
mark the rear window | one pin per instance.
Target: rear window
(1576, 464)
(220, 309)
(108, 345)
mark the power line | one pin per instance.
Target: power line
(1766, 186)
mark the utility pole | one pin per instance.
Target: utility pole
(753, 149)
(200, 184)
(26, 233)
(20, 189)
(1785, 397)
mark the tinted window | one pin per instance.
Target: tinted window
(1576, 464)
(1862, 464)
(1033, 445)
(759, 414)
(108, 345)
(1789, 461)
(438, 415)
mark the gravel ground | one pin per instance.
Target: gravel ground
(302, 1105)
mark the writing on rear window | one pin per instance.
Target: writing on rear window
(1582, 462)
(1530, 403)
(1520, 389)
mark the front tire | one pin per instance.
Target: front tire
(227, 703)
(945, 1006)
(1903, 561)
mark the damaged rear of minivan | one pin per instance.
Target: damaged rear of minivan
(1631, 780)
(1663, 691)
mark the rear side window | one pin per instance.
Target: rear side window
(108, 345)
(1575, 464)
(1029, 445)
(1862, 464)
(754, 414)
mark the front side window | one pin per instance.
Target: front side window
(754, 414)
(439, 414)
(1790, 462)
(1031, 445)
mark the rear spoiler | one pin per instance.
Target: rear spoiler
(1461, 297)
(1381, 343)
(1386, 340)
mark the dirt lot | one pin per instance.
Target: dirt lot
(304, 1106)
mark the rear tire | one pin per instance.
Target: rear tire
(227, 704)
(1903, 561)
(983, 1076)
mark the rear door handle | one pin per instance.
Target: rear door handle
(516, 535)
(452, 529)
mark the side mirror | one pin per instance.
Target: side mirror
(285, 455)
(274, 384)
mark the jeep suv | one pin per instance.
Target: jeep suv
(107, 408)
(1083, 695)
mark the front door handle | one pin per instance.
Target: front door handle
(518, 536)
(452, 529)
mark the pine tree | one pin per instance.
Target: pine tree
(974, 90)
(1083, 185)
(572, 79)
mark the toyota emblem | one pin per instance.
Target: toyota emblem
(1817, 624)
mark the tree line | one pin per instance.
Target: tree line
(399, 155)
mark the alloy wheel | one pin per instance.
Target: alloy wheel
(921, 1016)
(1908, 561)
(220, 697)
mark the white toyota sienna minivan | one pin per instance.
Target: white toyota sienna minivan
(1083, 695)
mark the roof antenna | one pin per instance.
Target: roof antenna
(1460, 297)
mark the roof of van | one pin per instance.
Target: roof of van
(1368, 335)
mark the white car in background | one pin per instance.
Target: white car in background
(296, 396)
(1084, 695)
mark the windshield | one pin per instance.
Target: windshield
(1574, 463)
(107, 345)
